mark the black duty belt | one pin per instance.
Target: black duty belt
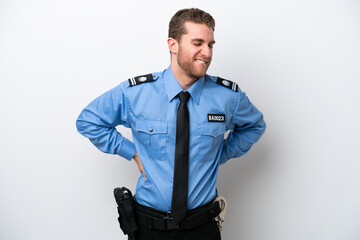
(163, 221)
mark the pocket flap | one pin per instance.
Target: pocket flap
(151, 127)
(212, 129)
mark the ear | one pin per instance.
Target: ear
(173, 45)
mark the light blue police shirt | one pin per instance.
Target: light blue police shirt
(149, 109)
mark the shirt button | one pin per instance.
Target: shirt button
(151, 130)
(215, 133)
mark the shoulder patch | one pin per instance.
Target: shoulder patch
(140, 79)
(226, 83)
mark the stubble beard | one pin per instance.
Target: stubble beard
(188, 66)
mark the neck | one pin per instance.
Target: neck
(183, 79)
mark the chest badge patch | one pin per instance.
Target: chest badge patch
(216, 117)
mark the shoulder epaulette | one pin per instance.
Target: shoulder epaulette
(227, 83)
(140, 79)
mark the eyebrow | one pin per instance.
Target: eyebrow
(201, 40)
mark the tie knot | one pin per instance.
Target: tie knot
(184, 96)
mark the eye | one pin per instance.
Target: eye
(197, 44)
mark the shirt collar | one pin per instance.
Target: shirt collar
(173, 87)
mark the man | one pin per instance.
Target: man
(178, 119)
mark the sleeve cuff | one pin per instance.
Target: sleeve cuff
(127, 150)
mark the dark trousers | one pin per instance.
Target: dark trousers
(208, 231)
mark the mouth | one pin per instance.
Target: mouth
(201, 61)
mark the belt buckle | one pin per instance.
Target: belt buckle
(171, 224)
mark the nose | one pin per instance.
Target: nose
(206, 51)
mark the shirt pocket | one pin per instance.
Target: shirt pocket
(211, 136)
(152, 135)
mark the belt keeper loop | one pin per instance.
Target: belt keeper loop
(211, 213)
(149, 222)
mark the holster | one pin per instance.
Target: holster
(125, 202)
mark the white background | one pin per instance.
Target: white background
(298, 61)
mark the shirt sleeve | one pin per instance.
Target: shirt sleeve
(99, 119)
(249, 126)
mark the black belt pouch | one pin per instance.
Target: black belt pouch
(125, 202)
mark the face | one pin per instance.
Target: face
(195, 50)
